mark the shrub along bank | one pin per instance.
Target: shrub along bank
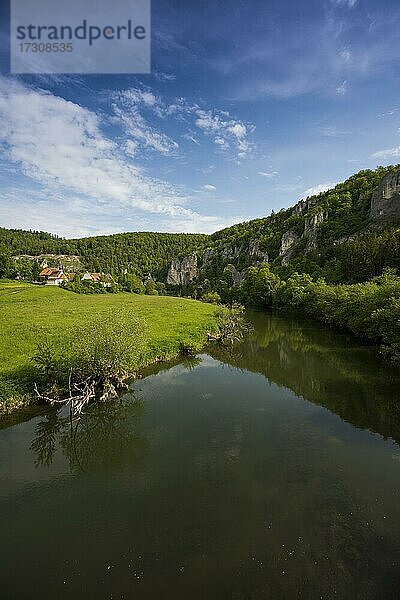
(45, 332)
(370, 310)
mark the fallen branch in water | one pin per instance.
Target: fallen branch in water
(79, 396)
(81, 393)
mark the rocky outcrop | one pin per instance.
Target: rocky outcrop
(183, 270)
(385, 202)
(208, 256)
(256, 255)
(230, 253)
(311, 225)
(303, 206)
(288, 244)
(300, 208)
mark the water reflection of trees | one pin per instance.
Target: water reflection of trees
(324, 366)
(107, 437)
(47, 434)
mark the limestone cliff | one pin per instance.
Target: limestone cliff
(385, 202)
(288, 244)
(256, 255)
(311, 225)
(182, 271)
(237, 276)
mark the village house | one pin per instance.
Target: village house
(53, 276)
(103, 279)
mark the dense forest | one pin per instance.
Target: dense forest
(329, 235)
(332, 236)
(139, 253)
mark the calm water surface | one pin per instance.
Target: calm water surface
(271, 472)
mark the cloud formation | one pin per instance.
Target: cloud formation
(388, 153)
(268, 175)
(228, 134)
(348, 3)
(61, 146)
(318, 189)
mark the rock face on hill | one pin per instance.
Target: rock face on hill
(312, 232)
(183, 270)
(311, 229)
(288, 244)
(237, 276)
(385, 202)
(256, 255)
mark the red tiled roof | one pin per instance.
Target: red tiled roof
(52, 273)
(47, 271)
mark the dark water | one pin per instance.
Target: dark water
(272, 472)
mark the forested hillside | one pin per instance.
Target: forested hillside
(347, 234)
(140, 253)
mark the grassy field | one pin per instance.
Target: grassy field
(29, 313)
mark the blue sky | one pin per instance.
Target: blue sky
(250, 106)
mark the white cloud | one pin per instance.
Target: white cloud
(345, 54)
(348, 3)
(60, 145)
(209, 187)
(388, 153)
(191, 138)
(269, 175)
(333, 132)
(317, 189)
(127, 105)
(164, 76)
(219, 141)
(341, 89)
(389, 113)
(227, 133)
(225, 130)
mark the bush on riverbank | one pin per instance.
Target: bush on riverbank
(370, 310)
(104, 351)
(31, 315)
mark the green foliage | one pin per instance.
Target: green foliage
(259, 286)
(370, 310)
(211, 297)
(368, 255)
(7, 266)
(151, 288)
(139, 253)
(101, 348)
(130, 282)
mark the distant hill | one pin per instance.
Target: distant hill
(141, 253)
(348, 233)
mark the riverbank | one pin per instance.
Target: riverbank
(369, 310)
(279, 454)
(31, 314)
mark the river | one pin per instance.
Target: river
(270, 471)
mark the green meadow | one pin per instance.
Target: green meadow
(29, 314)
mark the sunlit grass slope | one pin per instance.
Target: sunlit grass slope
(29, 313)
